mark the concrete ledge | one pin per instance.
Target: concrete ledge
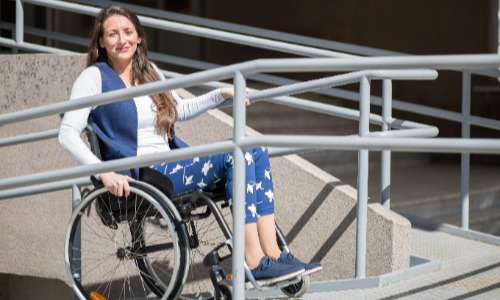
(419, 266)
(316, 211)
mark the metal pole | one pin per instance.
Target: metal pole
(385, 182)
(19, 29)
(362, 207)
(239, 189)
(465, 161)
(77, 198)
(19, 22)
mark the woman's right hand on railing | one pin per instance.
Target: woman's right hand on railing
(116, 184)
(228, 92)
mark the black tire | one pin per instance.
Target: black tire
(226, 290)
(126, 248)
(154, 268)
(298, 289)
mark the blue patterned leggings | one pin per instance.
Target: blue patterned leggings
(210, 171)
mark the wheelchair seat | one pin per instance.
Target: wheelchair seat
(156, 179)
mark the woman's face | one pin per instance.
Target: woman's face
(120, 39)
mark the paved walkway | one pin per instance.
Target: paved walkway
(469, 270)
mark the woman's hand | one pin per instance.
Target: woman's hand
(116, 184)
(228, 92)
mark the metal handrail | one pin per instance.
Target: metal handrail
(416, 128)
(287, 43)
(379, 141)
(249, 30)
(200, 31)
(157, 87)
(363, 143)
(274, 94)
(220, 33)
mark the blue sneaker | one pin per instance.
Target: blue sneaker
(289, 259)
(271, 271)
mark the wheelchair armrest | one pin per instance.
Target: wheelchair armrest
(156, 179)
(96, 182)
(93, 141)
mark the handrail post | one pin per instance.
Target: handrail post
(465, 157)
(19, 22)
(76, 199)
(19, 28)
(385, 182)
(362, 206)
(239, 191)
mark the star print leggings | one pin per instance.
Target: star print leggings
(208, 172)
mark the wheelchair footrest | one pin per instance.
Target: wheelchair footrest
(212, 259)
(217, 272)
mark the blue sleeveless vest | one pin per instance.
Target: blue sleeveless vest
(115, 124)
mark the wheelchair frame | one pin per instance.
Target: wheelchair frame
(137, 218)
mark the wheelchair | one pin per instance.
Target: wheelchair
(153, 244)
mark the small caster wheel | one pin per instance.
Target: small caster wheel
(297, 289)
(226, 290)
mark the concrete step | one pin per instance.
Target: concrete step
(276, 119)
(449, 204)
(484, 220)
(345, 163)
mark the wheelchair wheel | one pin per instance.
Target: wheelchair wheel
(226, 290)
(298, 289)
(126, 248)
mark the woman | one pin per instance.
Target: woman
(117, 58)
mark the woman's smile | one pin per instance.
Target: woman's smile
(123, 49)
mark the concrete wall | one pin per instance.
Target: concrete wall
(316, 211)
(32, 228)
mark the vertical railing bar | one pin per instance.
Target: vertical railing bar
(238, 257)
(19, 29)
(14, 49)
(385, 182)
(362, 206)
(239, 182)
(76, 199)
(465, 157)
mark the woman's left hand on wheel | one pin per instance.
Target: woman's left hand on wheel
(117, 184)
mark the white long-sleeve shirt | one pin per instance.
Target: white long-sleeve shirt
(89, 83)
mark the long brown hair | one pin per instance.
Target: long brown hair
(142, 68)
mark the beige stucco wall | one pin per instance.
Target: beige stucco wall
(315, 210)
